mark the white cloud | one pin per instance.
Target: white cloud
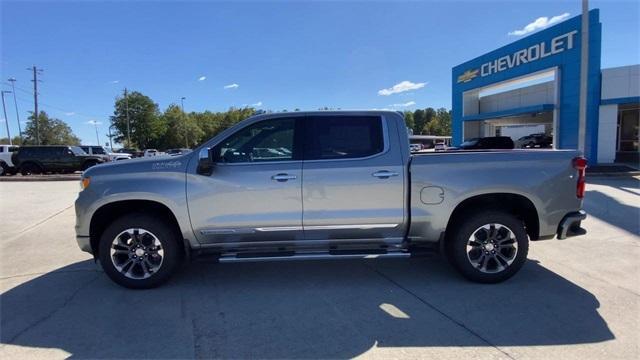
(114, 82)
(71, 113)
(232, 86)
(94, 122)
(258, 104)
(202, 78)
(401, 87)
(408, 103)
(539, 23)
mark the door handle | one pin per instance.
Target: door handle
(384, 174)
(283, 177)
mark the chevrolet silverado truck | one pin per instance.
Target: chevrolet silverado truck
(317, 185)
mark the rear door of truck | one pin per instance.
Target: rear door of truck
(353, 179)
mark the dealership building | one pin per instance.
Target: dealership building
(530, 90)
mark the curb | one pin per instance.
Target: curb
(15, 178)
(612, 174)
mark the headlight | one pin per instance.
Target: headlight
(84, 183)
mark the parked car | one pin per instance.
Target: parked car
(6, 164)
(440, 146)
(353, 190)
(104, 153)
(53, 158)
(178, 151)
(415, 147)
(134, 152)
(152, 153)
(486, 143)
(539, 140)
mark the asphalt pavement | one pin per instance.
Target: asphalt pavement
(574, 299)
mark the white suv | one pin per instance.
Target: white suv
(105, 153)
(6, 165)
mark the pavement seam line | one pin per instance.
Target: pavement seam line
(31, 227)
(450, 318)
(48, 273)
(48, 316)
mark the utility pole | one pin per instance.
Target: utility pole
(126, 105)
(15, 102)
(186, 139)
(584, 77)
(6, 120)
(36, 71)
(95, 124)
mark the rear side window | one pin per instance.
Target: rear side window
(343, 137)
(96, 150)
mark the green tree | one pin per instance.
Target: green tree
(52, 131)
(418, 121)
(147, 128)
(182, 129)
(408, 119)
(440, 124)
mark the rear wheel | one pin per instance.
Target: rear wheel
(30, 169)
(488, 247)
(140, 251)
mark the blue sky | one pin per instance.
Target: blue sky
(281, 55)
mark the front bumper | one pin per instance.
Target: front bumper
(84, 242)
(570, 225)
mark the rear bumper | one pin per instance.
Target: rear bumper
(570, 225)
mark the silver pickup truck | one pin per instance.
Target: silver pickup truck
(309, 185)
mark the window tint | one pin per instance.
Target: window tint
(97, 150)
(85, 149)
(269, 140)
(342, 137)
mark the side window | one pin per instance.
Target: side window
(269, 140)
(343, 137)
(85, 149)
(97, 150)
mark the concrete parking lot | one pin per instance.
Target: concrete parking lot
(574, 299)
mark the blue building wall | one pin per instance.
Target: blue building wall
(568, 63)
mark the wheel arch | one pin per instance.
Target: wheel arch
(109, 212)
(512, 203)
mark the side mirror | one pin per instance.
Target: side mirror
(207, 158)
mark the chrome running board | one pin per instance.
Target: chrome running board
(312, 256)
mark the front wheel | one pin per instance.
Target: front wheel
(139, 251)
(488, 247)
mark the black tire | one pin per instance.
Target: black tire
(30, 168)
(4, 169)
(167, 236)
(500, 261)
(88, 164)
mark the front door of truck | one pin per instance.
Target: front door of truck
(254, 191)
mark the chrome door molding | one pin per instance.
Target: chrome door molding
(296, 228)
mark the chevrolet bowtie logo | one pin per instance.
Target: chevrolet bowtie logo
(468, 76)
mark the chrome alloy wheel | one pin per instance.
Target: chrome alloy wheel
(492, 248)
(137, 253)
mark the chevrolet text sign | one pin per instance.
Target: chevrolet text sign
(535, 52)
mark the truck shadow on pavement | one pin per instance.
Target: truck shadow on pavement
(317, 309)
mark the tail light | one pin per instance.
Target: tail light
(580, 164)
